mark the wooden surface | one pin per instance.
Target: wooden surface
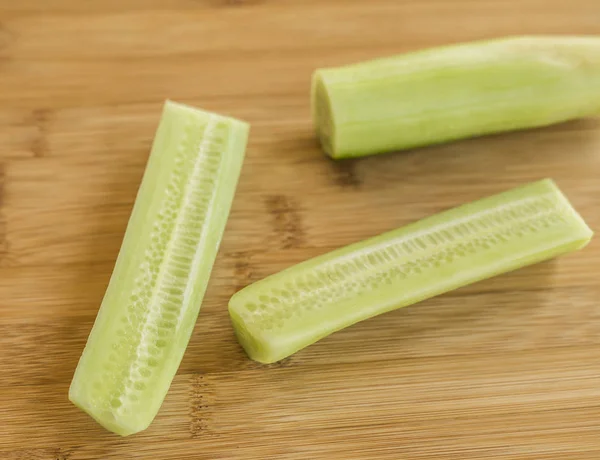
(508, 368)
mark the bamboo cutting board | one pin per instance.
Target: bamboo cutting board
(507, 368)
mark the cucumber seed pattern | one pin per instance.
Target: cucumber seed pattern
(170, 268)
(401, 258)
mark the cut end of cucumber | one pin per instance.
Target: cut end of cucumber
(251, 343)
(263, 343)
(106, 418)
(323, 115)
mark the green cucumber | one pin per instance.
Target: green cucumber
(283, 313)
(454, 92)
(154, 295)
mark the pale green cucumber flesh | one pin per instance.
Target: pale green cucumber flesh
(154, 295)
(454, 92)
(288, 311)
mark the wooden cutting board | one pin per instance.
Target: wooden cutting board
(507, 368)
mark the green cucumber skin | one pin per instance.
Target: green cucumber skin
(296, 328)
(177, 122)
(455, 92)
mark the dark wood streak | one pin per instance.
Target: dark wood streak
(38, 454)
(242, 270)
(236, 3)
(198, 406)
(63, 454)
(287, 220)
(345, 174)
(39, 146)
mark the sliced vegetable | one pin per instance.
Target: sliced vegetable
(288, 311)
(154, 295)
(454, 92)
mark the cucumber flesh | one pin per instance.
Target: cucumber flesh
(454, 92)
(290, 310)
(154, 295)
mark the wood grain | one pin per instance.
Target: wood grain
(507, 368)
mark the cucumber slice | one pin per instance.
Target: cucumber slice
(290, 310)
(458, 91)
(154, 295)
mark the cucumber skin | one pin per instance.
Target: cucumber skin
(455, 92)
(137, 235)
(267, 346)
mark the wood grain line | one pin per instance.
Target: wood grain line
(242, 271)
(237, 3)
(345, 173)
(39, 146)
(38, 454)
(198, 412)
(287, 220)
(63, 454)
